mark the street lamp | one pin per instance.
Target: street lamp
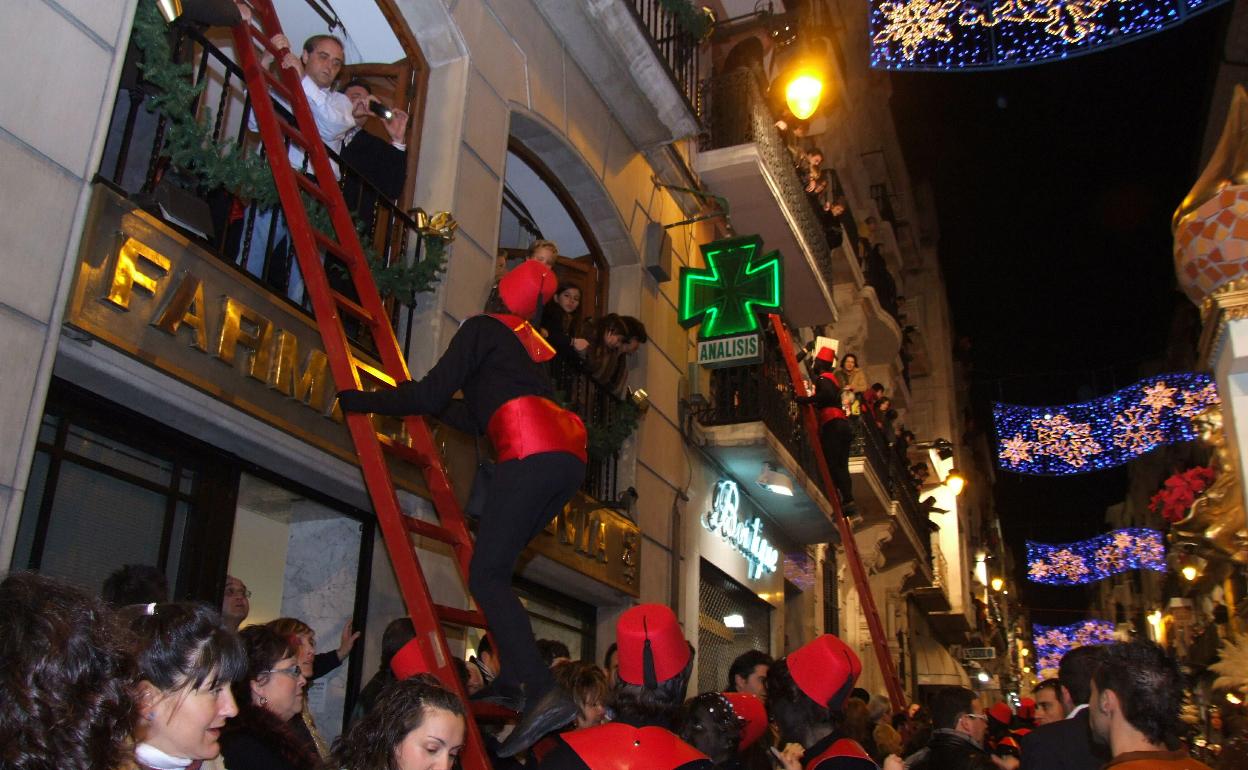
(997, 583)
(802, 94)
(955, 481)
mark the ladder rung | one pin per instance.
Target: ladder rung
(432, 531)
(276, 85)
(330, 245)
(460, 617)
(353, 308)
(403, 452)
(310, 187)
(294, 134)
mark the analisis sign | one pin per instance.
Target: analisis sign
(745, 535)
(730, 351)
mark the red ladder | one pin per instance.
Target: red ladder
(327, 305)
(891, 681)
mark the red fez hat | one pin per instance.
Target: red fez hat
(527, 287)
(652, 648)
(826, 354)
(749, 709)
(1001, 712)
(825, 669)
(1027, 709)
(409, 661)
(617, 746)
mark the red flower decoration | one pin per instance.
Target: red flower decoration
(1179, 492)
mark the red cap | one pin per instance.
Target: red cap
(409, 661)
(825, 669)
(527, 287)
(749, 709)
(826, 354)
(617, 746)
(1027, 709)
(650, 630)
(1000, 712)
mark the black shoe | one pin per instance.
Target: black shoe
(552, 711)
(507, 696)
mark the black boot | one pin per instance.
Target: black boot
(552, 711)
(508, 696)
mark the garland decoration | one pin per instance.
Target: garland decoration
(189, 146)
(1052, 642)
(1105, 432)
(690, 19)
(606, 438)
(1087, 561)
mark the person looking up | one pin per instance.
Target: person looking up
(748, 673)
(1133, 707)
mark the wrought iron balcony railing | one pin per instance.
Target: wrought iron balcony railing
(600, 409)
(674, 44)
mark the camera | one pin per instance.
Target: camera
(380, 110)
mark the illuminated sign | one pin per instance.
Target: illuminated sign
(744, 535)
(724, 296)
(730, 351)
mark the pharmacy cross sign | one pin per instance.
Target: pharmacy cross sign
(737, 281)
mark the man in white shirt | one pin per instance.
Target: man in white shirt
(335, 116)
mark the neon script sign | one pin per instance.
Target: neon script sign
(744, 535)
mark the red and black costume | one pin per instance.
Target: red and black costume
(617, 746)
(837, 752)
(496, 361)
(836, 435)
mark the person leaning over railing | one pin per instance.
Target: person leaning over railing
(382, 165)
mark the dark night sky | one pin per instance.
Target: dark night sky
(1055, 185)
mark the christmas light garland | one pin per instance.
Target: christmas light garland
(1106, 432)
(976, 34)
(1087, 561)
(1053, 642)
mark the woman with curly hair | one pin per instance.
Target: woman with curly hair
(269, 695)
(417, 724)
(187, 660)
(66, 678)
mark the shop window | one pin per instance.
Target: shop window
(96, 502)
(722, 637)
(301, 559)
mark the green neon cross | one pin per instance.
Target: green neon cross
(736, 282)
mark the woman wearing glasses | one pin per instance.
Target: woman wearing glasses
(268, 697)
(187, 660)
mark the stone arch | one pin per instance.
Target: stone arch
(595, 205)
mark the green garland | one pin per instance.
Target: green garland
(690, 19)
(605, 440)
(190, 147)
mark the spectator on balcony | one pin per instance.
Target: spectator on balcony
(850, 374)
(850, 404)
(634, 337)
(835, 432)
(833, 210)
(606, 341)
(561, 325)
(540, 250)
(382, 165)
(871, 396)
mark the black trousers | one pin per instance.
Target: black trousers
(522, 498)
(836, 436)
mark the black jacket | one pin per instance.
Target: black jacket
(952, 750)
(1064, 745)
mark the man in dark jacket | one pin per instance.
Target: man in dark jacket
(1067, 744)
(958, 740)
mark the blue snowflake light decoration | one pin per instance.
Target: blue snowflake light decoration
(1052, 642)
(1087, 561)
(1109, 431)
(976, 34)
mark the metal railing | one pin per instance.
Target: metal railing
(136, 163)
(673, 44)
(738, 114)
(940, 567)
(762, 392)
(597, 407)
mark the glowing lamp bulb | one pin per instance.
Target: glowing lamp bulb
(1024, 652)
(955, 481)
(1233, 699)
(802, 95)
(984, 677)
(997, 583)
(1189, 573)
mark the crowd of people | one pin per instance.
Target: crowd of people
(164, 686)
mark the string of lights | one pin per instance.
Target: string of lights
(975, 34)
(1052, 642)
(1088, 561)
(1105, 432)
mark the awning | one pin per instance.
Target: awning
(934, 665)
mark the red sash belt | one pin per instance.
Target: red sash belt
(529, 425)
(830, 413)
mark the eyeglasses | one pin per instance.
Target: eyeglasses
(976, 716)
(245, 593)
(294, 672)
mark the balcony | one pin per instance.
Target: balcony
(640, 58)
(600, 409)
(744, 159)
(751, 418)
(935, 597)
(136, 163)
